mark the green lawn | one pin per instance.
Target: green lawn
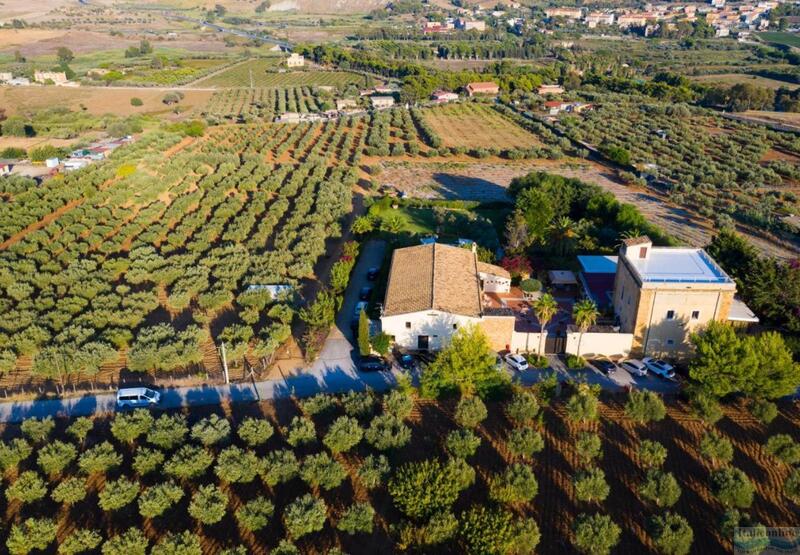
(787, 39)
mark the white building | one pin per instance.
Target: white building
(6, 76)
(435, 289)
(57, 77)
(295, 60)
(382, 102)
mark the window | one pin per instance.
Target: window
(670, 342)
(455, 326)
(670, 315)
(695, 314)
(643, 252)
(408, 325)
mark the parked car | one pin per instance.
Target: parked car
(516, 362)
(361, 305)
(373, 363)
(372, 274)
(137, 397)
(603, 365)
(634, 367)
(406, 361)
(365, 293)
(659, 367)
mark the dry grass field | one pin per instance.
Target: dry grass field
(477, 126)
(97, 101)
(736, 78)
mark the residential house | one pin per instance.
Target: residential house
(443, 97)
(631, 20)
(57, 77)
(663, 294)
(483, 88)
(593, 19)
(435, 289)
(567, 13)
(471, 25)
(550, 89)
(345, 103)
(295, 60)
(382, 102)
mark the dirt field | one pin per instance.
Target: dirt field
(477, 126)
(786, 118)
(735, 78)
(98, 100)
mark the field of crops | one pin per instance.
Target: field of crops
(472, 125)
(243, 105)
(787, 39)
(262, 73)
(713, 164)
(368, 474)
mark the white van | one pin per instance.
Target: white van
(134, 397)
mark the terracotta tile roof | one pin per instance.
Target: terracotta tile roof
(486, 268)
(433, 277)
(637, 241)
(483, 86)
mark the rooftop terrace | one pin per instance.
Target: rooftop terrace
(679, 265)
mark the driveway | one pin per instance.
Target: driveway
(340, 347)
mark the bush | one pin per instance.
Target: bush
(156, 500)
(652, 454)
(496, 532)
(421, 489)
(279, 467)
(69, 491)
(660, 488)
(764, 410)
(358, 404)
(373, 470)
(582, 406)
(55, 457)
(575, 362)
(130, 542)
(168, 431)
(517, 484)
(80, 428)
(135, 101)
(359, 517)
(588, 447)
(118, 493)
(128, 427)
(462, 444)
(38, 431)
(185, 543)
(398, 403)
(645, 406)
(27, 488)
(591, 485)
(255, 431)
(301, 431)
(523, 407)
(672, 534)
(470, 412)
(255, 514)
(530, 285)
(387, 432)
(235, 465)
(595, 534)
(33, 533)
(732, 488)
(189, 462)
(716, 448)
(784, 448)
(706, 407)
(305, 515)
(344, 434)
(321, 471)
(317, 404)
(13, 453)
(524, 442)
(212, 430)
(147, 460)
(99, 459)
(209, 504)
(80, 541)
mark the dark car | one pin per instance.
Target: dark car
(372, 274)
(373, 364)
(365, 293)
(603, 365)
(406, 361)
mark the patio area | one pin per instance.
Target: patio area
(525, 318)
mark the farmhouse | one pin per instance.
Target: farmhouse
(435, 289)
(483, 88)
(550, 89)
(442, 97)
(382, 102)
(663, 294)
(295, 60)
(57, 77)
(345, 103)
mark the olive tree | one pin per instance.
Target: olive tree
(301, 431)
(168, 431)
(344, 434)
(652, 454)
(54, 457)
(130, 542)
(716, 448)
(516, 484)
(235, 465)
(156, 500)
(373, 471)
(732, 488)
(462, 443)
(184, 543)
(209, 504)
(211, 430)
(255, 431)
(31, 534)
(69, 491)
(672, 534)
(255, 514)
(146, 461)
(524, 442)
(783, 448)
(279, 467)
(321, 471)
(189, 462)
(358, 518)
(128, 427)
(38, 431)
(645, 406)
(595, 534)
(27, 488)
(470, 412)
(591, 485)
(305, 515)
(80, 541)
(387, 432)
(523, 408)
(117, 494)
(660, 488)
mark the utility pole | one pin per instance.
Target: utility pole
(224, 362)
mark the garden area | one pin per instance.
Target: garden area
(263, 73)
(555, 470)
(246, 105)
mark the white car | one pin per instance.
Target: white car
(659, 367)
(517, 362)
(634, 367)
(136, 397)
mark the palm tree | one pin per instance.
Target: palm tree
(585, 314)
(545, 307)
(562, 232)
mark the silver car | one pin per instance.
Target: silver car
(634, 367)
(137, 397)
